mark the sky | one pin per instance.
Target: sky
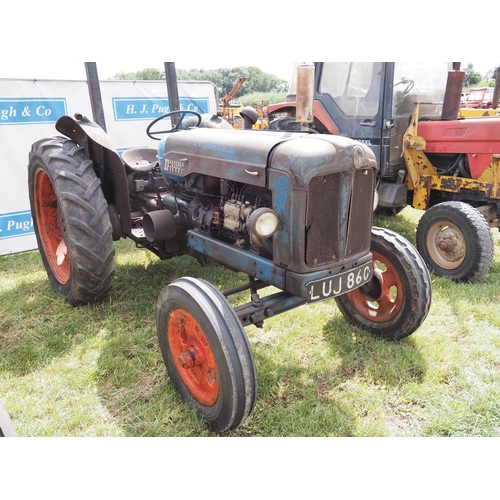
(48, 41)
(42, 69)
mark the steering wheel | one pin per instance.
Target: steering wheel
(173, 129)
(409, 85)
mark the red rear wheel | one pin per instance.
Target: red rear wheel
(71, 221)
(51, 226)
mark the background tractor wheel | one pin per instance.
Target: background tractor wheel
(455, 241)
(397, 299)
(206, 352)
(71, 221)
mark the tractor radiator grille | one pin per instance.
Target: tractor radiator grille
(339, 216)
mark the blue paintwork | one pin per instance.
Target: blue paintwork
(264, 269)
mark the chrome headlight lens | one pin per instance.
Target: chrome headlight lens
(358, 157)
(263, 222)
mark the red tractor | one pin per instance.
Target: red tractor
(429, 157)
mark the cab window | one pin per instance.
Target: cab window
(353, 86)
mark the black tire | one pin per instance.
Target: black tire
(6, 426)
(71, 221)
(455, 241)
(396, 301)
(206, 352)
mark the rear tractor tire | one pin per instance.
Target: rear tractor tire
(397, 299)
(206, 352)
(455, 241)
(71, 221)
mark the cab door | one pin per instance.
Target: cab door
(357, 98)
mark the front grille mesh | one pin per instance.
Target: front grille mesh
(322, 220)
(338, 218)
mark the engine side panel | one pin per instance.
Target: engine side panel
(235, 155)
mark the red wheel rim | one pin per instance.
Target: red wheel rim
(50, 225)
(193, 357)
(379, 300)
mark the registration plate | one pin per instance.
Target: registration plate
(339, 284)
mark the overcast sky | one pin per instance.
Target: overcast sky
(75, 70)
(48, 40)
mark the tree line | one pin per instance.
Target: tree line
(473, 77)
(257, 81)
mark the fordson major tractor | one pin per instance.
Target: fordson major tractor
(290, 210)
(430, 157)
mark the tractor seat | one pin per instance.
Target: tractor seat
(140, 160)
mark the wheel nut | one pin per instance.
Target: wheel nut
(187, 359)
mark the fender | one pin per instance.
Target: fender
(99, 148)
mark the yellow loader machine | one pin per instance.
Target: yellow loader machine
(431, 155)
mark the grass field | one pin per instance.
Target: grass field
(98, 371)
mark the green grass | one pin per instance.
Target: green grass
(97, 370)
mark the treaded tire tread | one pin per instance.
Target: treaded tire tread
(229, 341)
(88, 228)
(416, 283)
(480, 246)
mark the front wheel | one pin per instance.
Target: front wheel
(397, 299)
(455, 241)
(71, 221)
(206, 352)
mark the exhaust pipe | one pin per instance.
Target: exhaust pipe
(159, 226)
(305, 95)
(496, 91)
(452, 95)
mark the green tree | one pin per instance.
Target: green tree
(471, 77)
(145, 74)
(257, 81)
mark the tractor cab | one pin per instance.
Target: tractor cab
(372, 102)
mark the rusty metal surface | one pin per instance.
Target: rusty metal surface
(452, 95)
(496, 91)
(239, 155)
(359, 226)
(324, 234)
(305, 93)
(99, 148)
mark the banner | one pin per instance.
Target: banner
(29, 110)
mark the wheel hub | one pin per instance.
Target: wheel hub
(446, 245)
(380, 299)
(189, 359)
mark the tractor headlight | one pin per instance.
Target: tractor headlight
(263, 222)
(358, 157)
